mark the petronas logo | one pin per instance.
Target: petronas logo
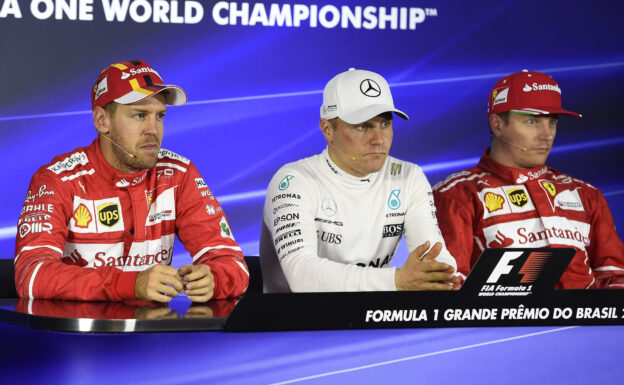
(394, 202)
(285, 182)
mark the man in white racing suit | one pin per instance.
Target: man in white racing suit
(333, 221)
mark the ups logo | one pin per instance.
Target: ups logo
(518, 197)
(108, 214)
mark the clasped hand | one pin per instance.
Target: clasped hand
(422, 272)
(162, 282)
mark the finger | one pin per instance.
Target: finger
(184, 270)
(205, 281)
(175, 282)
(434, 266)
(165, 288)
(201, 290)
(198, 273)
(166, 269)
(433, 253)
(200, 298)
(437, 277)
(419, 251)
(155, 295)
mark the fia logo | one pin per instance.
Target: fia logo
(393, 200)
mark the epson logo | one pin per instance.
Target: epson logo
(285, 217)
(395, 230)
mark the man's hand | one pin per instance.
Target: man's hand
(198, 282)
(421, 272)
(158, 283)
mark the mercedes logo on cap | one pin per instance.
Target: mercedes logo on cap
(370, 88)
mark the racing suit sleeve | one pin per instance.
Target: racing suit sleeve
(41, 271)
(606, 250)
(421, 224)
(289, 213)
(205, 232)
(456, 217)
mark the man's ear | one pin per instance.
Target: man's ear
(326, 129)
(101, 120)
(496, 125)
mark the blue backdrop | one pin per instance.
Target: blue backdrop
(255, 83)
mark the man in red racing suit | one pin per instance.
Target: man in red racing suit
(511, 199)
(99, 223)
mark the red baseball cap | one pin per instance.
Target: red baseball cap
(131, 81)
(527, 92)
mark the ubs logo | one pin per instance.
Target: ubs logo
(108, 214)
(518, 197)
(370, 88)
(330, 237)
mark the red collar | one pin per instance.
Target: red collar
(510, 174)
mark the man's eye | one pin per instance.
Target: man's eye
(160, 116)
(361, 127)
(139, 115)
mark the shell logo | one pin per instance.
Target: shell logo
(82, 216)
(493, 202)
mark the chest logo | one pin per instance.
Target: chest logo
(518, 197)
(329, 207)
(82, 216)
(550, 187)
(285, 182)
(108, 214)
(393, 200)
(493, 202)
(395, 169)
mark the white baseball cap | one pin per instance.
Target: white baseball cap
(356, 96)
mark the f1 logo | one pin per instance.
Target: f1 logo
(529, 271)
(503, 267)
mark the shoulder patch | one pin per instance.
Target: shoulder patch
(451, 177)
(395, 168)
(163, 153)
(563, 178)
(69, 163)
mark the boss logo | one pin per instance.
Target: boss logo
(392, 230)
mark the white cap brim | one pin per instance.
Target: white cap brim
(174, 96)
(369, 112)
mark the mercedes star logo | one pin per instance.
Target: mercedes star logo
(329, 207)
(370, 88)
